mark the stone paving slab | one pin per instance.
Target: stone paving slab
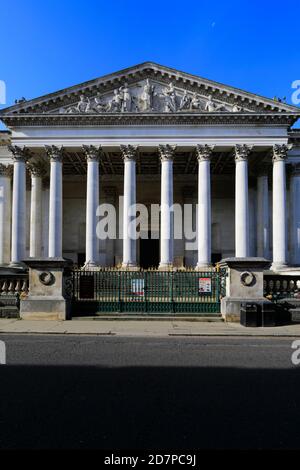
(142, 328)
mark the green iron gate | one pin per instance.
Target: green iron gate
(150, 291)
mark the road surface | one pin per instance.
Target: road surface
(63, 391)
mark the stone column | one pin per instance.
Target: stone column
(279, 207)
(167, 153)
(55, 201)
(189, 240)
(109, 243)
(18, 236)
(241, 201)
(5, 212)
(295, 215)
(204, 153)
(263, 223)
(93, 155)
(37, 172)
(129, 153)
(45, 212)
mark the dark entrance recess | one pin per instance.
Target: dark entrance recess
(80, 259)
(149, 253)
(216, 257)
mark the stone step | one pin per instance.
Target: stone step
(209, 317)
(295, 315)
(9, 311)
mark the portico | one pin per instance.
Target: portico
(165, 137)
(205, 174)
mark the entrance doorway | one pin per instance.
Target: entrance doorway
(149, 253)
(80, 259)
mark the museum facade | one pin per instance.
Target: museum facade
(150, 135)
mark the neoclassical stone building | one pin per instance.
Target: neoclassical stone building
(153, 135)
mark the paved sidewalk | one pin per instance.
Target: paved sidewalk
(153, 328)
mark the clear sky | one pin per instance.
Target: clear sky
(48, 45)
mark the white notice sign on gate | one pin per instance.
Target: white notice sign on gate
(137, 287)
(204, 285)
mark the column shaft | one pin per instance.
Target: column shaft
(18, 236)
(5, 213)
(204, 207)
(263, 224)
(36, 212)
(92, 203)
(167, 153)
(279, 207)
(241, 201)
(129, 203)
(295, 216)
(55, 202)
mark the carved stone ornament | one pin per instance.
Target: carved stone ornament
(92, 153)
(18, 153)
(129, 152)
(248, 279)
(54, 153)
(204, 152)
(146, 97)
(280, 152)
(242, 152)
(37, 169)
(68, 287)
(211, 106)
(47, 278)
(167, 152)
(6, 170)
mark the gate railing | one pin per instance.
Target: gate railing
(149, 291)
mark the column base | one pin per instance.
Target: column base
(278, 266)
(165, 266)
(18, 265)
(130, 267)
(204, 267)
(91, 264)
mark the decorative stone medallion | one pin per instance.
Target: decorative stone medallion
(47, 278)
(248, 279)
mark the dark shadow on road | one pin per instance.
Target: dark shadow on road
(148, 407)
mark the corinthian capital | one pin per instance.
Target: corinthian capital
(54, 153)
(129, 152)
(92, 153)
(19, 154)
(242, 152)
(5, 170)
(37, 169)
(280, 152)
(204, 152)
(167, 152)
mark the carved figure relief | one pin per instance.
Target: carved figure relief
(147, 97)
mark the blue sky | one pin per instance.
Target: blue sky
(49, 45)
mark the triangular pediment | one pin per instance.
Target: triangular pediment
(148, 88)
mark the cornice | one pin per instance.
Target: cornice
(156, 119)
(294, 137)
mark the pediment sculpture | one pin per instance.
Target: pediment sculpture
(147, 97)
